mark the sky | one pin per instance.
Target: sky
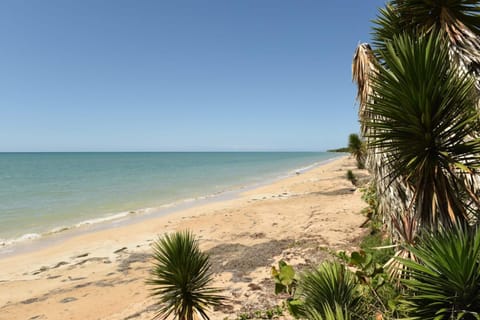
(212, 75)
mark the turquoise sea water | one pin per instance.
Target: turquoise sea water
(41, 193)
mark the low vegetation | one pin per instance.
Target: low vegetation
(357, 148)
(181, 278)
(351, 177)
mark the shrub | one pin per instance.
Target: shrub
(181, 278)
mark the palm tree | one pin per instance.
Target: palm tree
(455, 25)
(181, 278)
(357, 149)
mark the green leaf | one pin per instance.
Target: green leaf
(357, 258)
(287, 274)
(280, 288)
(295, 307)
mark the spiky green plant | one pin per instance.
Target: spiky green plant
(458, 21)
(351, 177)
(181, 278)
(357, 149)
(427, 126)
(325, 289)
(445, 282)
(330, 313)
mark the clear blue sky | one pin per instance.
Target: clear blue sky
(179, 75)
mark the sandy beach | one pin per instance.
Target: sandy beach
(101, 274)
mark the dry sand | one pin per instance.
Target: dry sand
(101, 275)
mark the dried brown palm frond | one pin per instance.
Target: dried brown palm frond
(363, 69)
(464, 46)
(405, 227)
(459, 19)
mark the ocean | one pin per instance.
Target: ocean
(48, 193)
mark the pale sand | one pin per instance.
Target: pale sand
(294, 219)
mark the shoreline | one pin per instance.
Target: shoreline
(31, 242)
(101, 274)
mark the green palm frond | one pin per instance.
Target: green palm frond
(181, 278)
(426, 126)
(325, 289)
(458, 19)
(357, 148)
(445, 281)
(386, 26)
(336, 312)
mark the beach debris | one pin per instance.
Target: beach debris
(61, 263)
(69, 299)
(76, 279)
(29, 301)
(83, 285)
(257, 235)
(93, 259)
(120, 250)
(81, 255)
(254, 286)
(42, 269)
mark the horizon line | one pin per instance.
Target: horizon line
(157, 151)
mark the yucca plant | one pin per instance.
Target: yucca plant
(329, 290)
(181, 278)
(445, 281)
(427, 127)
(458, 22)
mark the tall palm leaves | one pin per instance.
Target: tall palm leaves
(181, 278)
(422, 108)
(425, 125)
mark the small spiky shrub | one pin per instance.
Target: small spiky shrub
(181, 278)
(351, 177)
(357, 149)
(330, 290)
(445, 281)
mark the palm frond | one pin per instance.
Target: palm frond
(445, 281)
(458, 19)
(326, 288)
(363, 67)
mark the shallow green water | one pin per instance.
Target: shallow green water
(41, 192)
